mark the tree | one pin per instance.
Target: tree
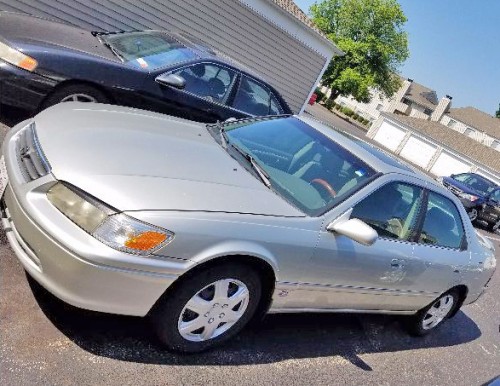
(370, 33)
(497, 114)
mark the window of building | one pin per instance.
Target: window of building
(427, 111)
(379, 107)
(451, 123)
(469, 132)
(496, 145)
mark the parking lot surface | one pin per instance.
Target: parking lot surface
(44, 341)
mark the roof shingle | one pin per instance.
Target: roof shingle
(422, 96)
(452, 139)
(293, 9)
(477, 119)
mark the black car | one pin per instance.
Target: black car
(480, 197)
(44, 62)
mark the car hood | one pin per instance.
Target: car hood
(137, 160)
(23, 31)
(463, 187)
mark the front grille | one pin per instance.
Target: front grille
(30, 157)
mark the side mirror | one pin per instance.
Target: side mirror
(354, 228)
(171, 80)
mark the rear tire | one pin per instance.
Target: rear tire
(75, 93)
(207, 308)
(433, 316)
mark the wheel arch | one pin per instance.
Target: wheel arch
(265, 270)
(72, 82)
(462, 295)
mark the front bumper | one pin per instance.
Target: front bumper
(69, 262)
(23, 89)
(74, 280)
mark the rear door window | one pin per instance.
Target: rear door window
(443, 225)
(392, 210)
(256, 99)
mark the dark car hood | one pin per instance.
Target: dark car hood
(19, 30)
(464, 188)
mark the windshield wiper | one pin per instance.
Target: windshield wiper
(255, 165)
(111, 48)
(223, 135)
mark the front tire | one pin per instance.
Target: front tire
(495, 227)
(207, 308)
(75, 93)
(472, 214)
(432, 316)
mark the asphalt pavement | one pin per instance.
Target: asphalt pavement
(44, 341)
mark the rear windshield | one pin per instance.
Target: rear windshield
(150, 49)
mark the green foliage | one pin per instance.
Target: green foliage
(320, 94)
(329, 104)
(370, 33)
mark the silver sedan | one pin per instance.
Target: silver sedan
(202, 228)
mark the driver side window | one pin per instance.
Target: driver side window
(392, 210)
(207, 81)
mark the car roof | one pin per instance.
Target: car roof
(483, 177)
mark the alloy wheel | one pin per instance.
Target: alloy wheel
(79, 97)
(472, 214)
(437, 312)
(213, 310)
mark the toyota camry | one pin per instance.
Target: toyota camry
(202, 228)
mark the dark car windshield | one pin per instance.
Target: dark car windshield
(476, 182)
(305, 167)
(149, 49)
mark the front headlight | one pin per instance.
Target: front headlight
(117, 230)
(17, 58)
(468, 196)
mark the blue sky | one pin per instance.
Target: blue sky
(454, 49)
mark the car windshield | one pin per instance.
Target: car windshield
(305, 167)
(476, 182)
(149, 49)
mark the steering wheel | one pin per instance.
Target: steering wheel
(325, 185)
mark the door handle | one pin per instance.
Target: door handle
(397, 264)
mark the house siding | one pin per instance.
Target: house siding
(232, 27)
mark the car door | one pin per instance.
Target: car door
(207, 87)
(348, 275)
(442, 245)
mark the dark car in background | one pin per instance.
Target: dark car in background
(43, 63)
(480, 197)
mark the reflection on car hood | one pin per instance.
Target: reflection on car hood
(22, 30)
(137, 160)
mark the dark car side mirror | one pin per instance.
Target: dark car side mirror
(171, 80)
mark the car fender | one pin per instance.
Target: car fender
(236, 248)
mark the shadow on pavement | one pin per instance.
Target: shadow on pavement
(277, 338)
(10, 116)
